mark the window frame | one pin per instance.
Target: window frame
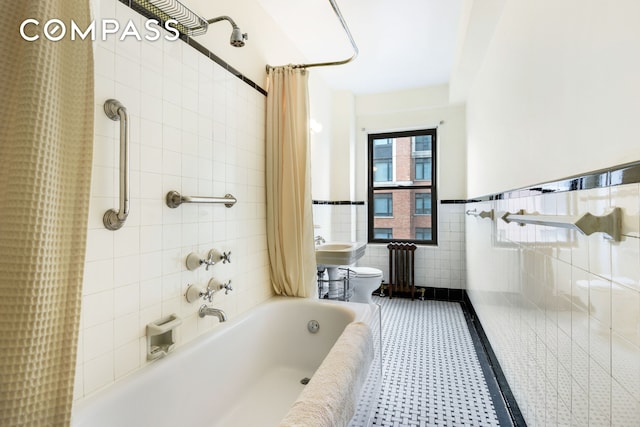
(373, 187)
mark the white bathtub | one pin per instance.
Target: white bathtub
(245, 372)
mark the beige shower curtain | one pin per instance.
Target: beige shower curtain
(289, 206)
(46, 139)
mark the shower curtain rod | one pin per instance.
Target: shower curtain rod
(325, 64)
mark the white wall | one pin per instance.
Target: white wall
(557, 95)
(416, 109)
(558, 92)
(320, 103)
(340, 162)
(343, 142)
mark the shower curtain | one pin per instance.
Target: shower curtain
(288, 175)
(46, 139)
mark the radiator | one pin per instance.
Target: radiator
(401, 268)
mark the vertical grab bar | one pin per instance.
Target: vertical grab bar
(112, 219)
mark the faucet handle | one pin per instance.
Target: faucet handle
(227, 287)
(194, 292)
(213, 287)
(194, 261)
(208, 294)
(215, 256)
(212, 258)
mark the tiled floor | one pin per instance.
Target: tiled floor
(432, 375)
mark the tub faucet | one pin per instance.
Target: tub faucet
(319, 240)
(210, 311)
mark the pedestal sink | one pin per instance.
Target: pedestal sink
(339, 253)
(332, 255)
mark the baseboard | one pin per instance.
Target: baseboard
(431, 293)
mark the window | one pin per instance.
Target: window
(423, 204)
(383, 233)
(383, 170)
(423, 233)
(402, 186)
(423, 168)
(383, 160)
(383, 204)
(422, 143)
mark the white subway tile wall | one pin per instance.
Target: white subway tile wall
(561, 309)
(439, 266)
(194, 128)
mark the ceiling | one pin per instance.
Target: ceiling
(403, 44)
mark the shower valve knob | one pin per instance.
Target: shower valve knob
(194, 292)
(226, 257)
(194, 261)
(208, 294)
(227, 287)
(210, 260)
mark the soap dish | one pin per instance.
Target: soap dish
(161, 338)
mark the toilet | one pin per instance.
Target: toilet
(363, 281)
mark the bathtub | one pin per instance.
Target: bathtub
(245, 372)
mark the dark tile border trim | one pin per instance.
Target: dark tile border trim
(203, 50)
(361, 202)
(338, 202)
(443, 294)
(509, 413)
(215, 58)
(628, 173)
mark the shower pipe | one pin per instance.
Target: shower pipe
(112, 219)
(175, 199)
(325, 64)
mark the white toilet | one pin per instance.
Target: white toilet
(363, 282)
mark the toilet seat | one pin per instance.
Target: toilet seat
(366, 272)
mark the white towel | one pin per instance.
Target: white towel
(330, 398)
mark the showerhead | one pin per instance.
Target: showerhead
(237, 36)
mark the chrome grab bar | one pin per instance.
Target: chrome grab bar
(112, 219)
(587, 224)
(175, 199)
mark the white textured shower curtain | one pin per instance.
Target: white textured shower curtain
(288, 175)
(46, 146)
